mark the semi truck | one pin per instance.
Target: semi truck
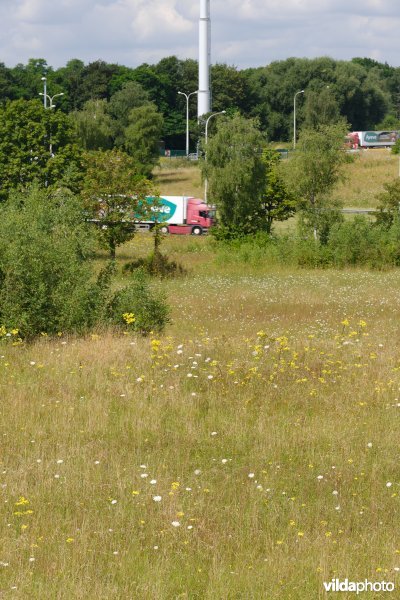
(182, 215)
(372, 139)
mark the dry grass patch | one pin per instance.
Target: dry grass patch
(175, 177)
(365, 178)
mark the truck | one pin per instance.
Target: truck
(182, 215)
(372, 139)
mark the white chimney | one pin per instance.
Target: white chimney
(204, 95)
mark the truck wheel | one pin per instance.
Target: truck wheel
(164, 229)
(197, 230)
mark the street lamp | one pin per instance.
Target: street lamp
(222, 112)
(187, 96)
(51, 98)
(44, 79)
(294, 117)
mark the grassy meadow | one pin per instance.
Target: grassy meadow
(250, 452)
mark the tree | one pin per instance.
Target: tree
(35, 145)
(26, 79)
(229, 88)
(46, 274)
(95, 81)
(142, 137)
(320, 108)
(277, 203)
(131, 96)
(236, 174)
(114, 193)
(94, 126)
(69, 79)
(313, 172)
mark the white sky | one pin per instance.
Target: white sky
(245, 33)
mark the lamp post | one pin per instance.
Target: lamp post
(294, 117)
(51, 105)
(44, 94)
(50, 98)
(187, 96)
(222, 112)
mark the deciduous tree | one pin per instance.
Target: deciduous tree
(114, 192)
(314, 170)
(35, 145)
(236, 174)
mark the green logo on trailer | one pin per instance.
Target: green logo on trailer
(161, 208)
(371, 136)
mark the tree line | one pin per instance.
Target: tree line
(365, 92)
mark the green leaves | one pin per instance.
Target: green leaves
(235, 173)
(114, 192)
(30, 139)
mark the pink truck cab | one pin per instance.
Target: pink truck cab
(182, 215)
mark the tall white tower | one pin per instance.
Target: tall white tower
(204, 95)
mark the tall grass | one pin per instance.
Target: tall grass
(250, 452)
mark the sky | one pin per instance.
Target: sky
(245, 33)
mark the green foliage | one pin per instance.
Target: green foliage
(363, 91)
(129, 122)
(35, 145)
(396, 147)
(142, 137)
(95, 81)
(320, 108)
(314, 170)
(236, 173)
(361, 243)
(354, 243)
(46, 279)
(94, 126)
(389, 203)
(389, 123)
(114, 192)
(277, 203)
(319, 219)
(132, 95)
(156, 264)
(150, 312)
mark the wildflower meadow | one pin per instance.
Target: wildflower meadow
(250, 451)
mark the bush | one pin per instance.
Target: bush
(360, 242)
(156, 264)
(396, 147)
(136, 308)
(47, 281)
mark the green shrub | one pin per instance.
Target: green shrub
(156, 264)
(47, 281)
(311, 253)
(396, 147)
(148, 312)
(360, 242)
(46, 284)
